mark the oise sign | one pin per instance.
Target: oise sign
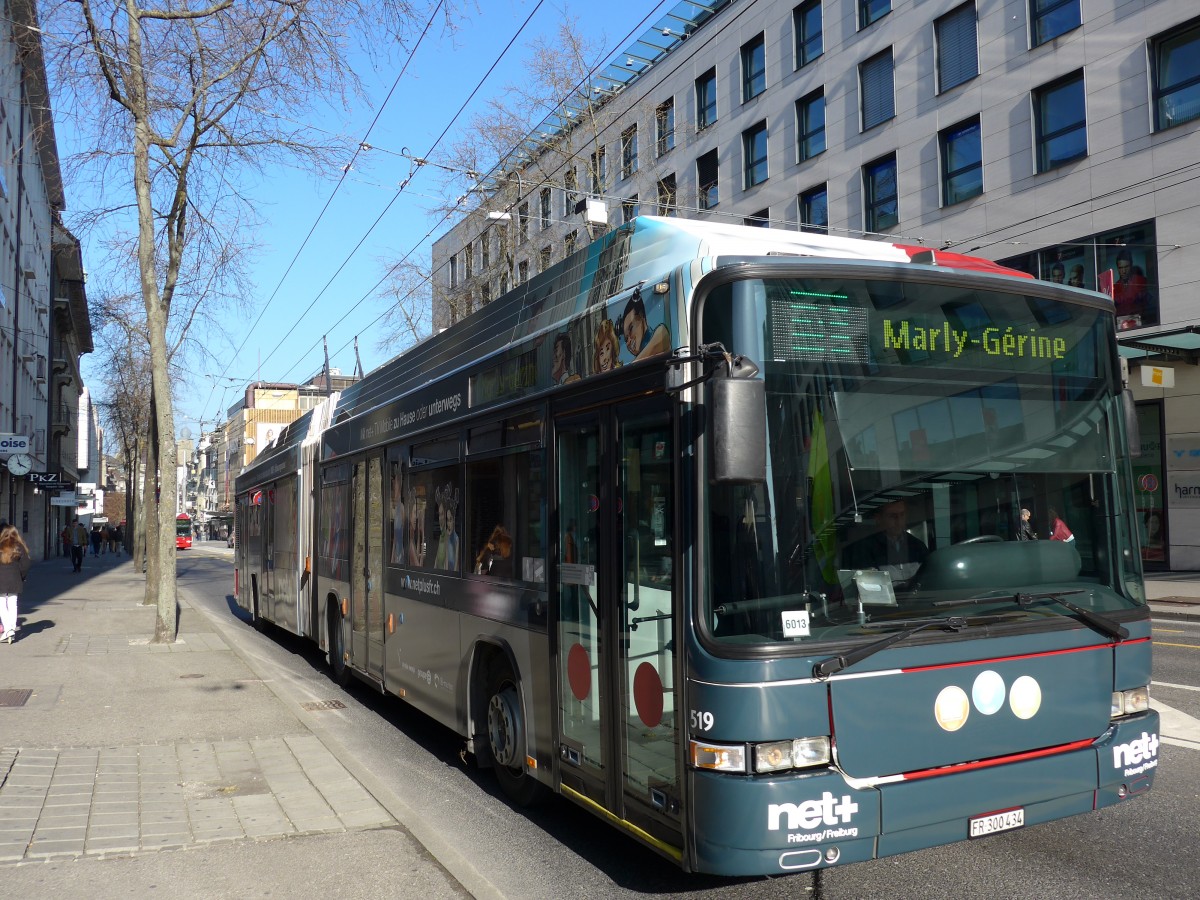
(13, 443)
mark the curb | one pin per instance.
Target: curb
(438, 849)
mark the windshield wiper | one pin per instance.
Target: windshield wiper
(835, 664)
(1097, 622)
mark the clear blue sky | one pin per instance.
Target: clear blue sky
(285, 345)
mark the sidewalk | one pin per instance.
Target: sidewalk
(111, 747)
(1174, 595)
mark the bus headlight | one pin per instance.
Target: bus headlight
(795, 754)
(1126, 703)
(718, 757)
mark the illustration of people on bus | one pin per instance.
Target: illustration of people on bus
(607, 349)
(560, 370)
(445, 557)
(641, 340)
(415, 538)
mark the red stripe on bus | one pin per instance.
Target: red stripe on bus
(997, 761)
(1000, 659)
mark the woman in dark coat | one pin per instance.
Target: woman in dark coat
(14, 567)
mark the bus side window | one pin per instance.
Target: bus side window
(504, 516)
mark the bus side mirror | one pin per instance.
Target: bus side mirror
(737, 430)
(1133, 434)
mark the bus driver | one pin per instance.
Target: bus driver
(892, 546)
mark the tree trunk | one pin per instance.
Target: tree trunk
(150, 524)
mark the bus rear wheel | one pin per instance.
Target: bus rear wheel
(506, 739)
(337, 645)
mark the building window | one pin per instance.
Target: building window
(629, 156)
(599, 171)
(754, 68)
(502, 244)
(814, 210)
(1060, 121)
(544, 207)
(877, 89)
(706, 99)
(706, 178)
(760, 219)
(569, 242)
(570, 191)
(453, 272)
(1050, 18)
(485, 294)
(1122, 263)
(806, 25)
(880, 194)
(664, 126)
(957, 47)
(810, 125)
(522, 223)
(544, 257)
(754, 154)
(468, 261)
(872, 11)
(961, 150)
(522, 271)
(504, 286)
(485, 252)
(1175, 59)
(666, 195)
(629, 209)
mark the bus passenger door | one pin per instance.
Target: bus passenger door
(619, 728)
(266, 587)
(366, 569)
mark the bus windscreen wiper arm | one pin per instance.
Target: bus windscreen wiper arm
(1100, 623)
(835, 664)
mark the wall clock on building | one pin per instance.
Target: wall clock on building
(20, 464)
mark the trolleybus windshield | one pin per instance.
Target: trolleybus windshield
(909, 425)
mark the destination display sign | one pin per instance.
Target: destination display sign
(930, 325)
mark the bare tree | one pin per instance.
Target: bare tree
(123, 380)
(545, 131)
(181, 97)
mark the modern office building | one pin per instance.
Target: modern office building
(1061, 137)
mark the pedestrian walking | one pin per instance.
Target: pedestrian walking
(14, 568)
(95, 540)
(64, 538)
(79, 545)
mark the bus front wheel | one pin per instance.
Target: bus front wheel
(506, 739)
(337, 645)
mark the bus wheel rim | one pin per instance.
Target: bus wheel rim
(504, 726)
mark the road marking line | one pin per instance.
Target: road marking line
(1178, 727)
(1178, 687)
(1169, 644)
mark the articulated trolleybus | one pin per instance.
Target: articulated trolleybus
(715, 531)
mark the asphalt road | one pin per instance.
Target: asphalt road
(1144, 848)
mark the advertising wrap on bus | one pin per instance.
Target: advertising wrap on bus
(775, 550)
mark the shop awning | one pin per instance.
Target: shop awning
(1181, 344)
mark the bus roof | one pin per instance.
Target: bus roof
(643, 250)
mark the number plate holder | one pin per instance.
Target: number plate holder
(993, 823)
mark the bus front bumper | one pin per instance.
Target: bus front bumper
(776, 824)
